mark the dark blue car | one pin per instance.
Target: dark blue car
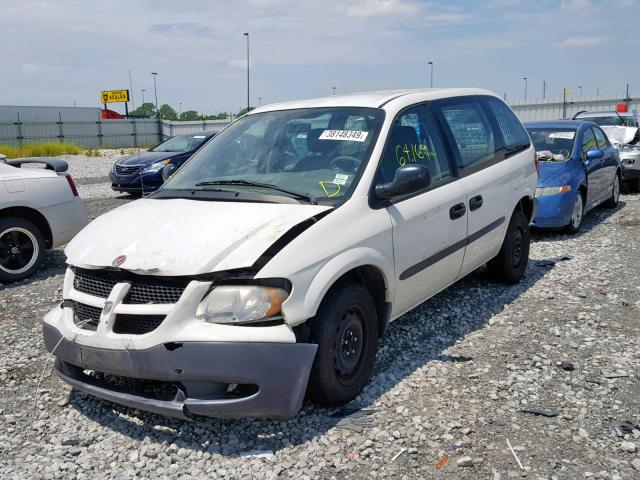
(142, 172)
(579, 169)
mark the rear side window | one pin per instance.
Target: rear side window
(588, 142)
(513, 133)
(601, 138)
(470, 130)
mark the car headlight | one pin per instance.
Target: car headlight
(234, 304)
(156, 167)
(545, 191)
(630, 148)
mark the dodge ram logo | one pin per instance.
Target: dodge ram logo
(119, 260)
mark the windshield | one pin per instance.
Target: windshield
(316, 153)
(553, 144)
(605, 120)
(181, 143)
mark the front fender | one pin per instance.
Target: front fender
(305, 297)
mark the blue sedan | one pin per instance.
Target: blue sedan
(579, 170)
(142, 172)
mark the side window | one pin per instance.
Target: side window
(588, 142)
(414, 139)
(513, 133)
(471, 132)
(601, 138)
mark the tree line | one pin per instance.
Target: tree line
(167, 112)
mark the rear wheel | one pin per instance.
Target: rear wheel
(509, 265)
(345, 330)
(21, 249)
(612, 202)
(576, 217)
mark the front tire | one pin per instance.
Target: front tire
(509, 265)
(576, 216)
(21, 249)
(346, 331)
(612, 202)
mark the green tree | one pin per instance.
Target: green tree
(245, 110)
(146, 110)
(167, 113)
(190, 115)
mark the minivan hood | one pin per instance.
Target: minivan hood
(146, 158)
(184, 237)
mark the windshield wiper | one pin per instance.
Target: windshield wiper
(309, 198)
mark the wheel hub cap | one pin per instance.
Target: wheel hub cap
(349, 344)
(18, 250)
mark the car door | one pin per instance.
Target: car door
(429, 228)
(593, 168)
(485, 177)
(609, 161)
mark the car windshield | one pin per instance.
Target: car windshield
(605, 120)
(181, 143)
(553, 144)
(317, 153)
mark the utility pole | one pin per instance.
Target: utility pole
(155, 92)
(180, 111)
(431, 82)
(142, 91)
(544, 89)
(564, 103)
(626, 97)
(246, 34)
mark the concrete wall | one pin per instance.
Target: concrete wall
(552, 109)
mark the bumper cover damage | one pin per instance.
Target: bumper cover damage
(200, 372)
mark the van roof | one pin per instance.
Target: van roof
(374, 99)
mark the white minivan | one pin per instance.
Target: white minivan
(267, 267)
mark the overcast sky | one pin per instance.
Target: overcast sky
(58, 51)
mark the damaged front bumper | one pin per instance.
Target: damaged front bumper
(214, 379)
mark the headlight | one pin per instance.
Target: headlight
(630, 148)
(545, 191)
(241, 304)
(156, 167)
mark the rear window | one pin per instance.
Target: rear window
(557, 141)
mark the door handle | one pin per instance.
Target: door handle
(475, 203)
(457, 211)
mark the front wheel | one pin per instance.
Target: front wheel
(612, 202)
(576, 216)
(511, 262)
(346, 331)
(21, 249)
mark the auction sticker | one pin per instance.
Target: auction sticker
(565, 135)
(350, 135)
(341, 179)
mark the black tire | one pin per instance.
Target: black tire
(511, 262)
(634, 185)
(338, 375)
(575, 223)
(21, 249)
(612, 201)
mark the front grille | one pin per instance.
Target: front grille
(94, 282)
(143, 291)
(126, 169)
(136, 324)
(86, 316)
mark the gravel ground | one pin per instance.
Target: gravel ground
(550, 366)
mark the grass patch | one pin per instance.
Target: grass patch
(43, 149)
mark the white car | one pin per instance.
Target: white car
(39, 209)
(270, 263)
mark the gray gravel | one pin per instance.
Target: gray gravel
(551, 365)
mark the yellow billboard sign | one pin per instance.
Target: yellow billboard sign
(114, 96)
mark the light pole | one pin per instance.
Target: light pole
(544, 89)
(580, 87)
(334, 90)
(259, 101)
(246, 34)
(180, 111)
(155, 92)
(142, 91)
(525, 88)
(431, 82)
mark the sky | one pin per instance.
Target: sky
(57, 52)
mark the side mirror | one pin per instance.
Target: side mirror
(168, 170)
(408, 179)
(595, 154)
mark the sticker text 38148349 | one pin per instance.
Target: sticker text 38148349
(350, 135)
